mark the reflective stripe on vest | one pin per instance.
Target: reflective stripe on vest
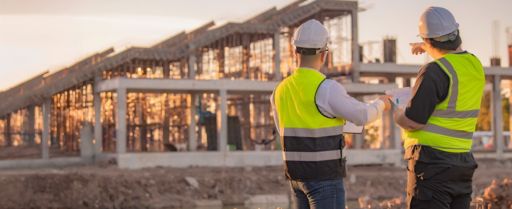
(312, 156)
(451, 126)
(456, 114)
(448, 132)
(319, 132)
(312, 142)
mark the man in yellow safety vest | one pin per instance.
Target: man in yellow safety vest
(310, 111)
(441, 117)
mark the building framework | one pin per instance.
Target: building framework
(198, 91)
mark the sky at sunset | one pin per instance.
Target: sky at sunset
(48, 35)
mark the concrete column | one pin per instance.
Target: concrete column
(167, 121)
(47, 106)
(355, 47)
(121, 121)
(497, 116)
(246, 58)
(7, 130)
(358, 140)
(192, 65)
(510, 111)
(396, 134)
(98, 128)
(192, 134)
(222, 121)
(277, 56)
(31, 125)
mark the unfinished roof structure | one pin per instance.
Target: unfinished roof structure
(197, 90)
(207, 89)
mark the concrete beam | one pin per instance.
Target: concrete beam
(386, 69)
(242, 158)
(217, 85)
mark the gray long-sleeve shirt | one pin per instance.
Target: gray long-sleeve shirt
(333, 100)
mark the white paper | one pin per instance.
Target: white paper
(351, 128)
(400, 97)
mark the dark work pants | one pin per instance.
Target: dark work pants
(436, 184)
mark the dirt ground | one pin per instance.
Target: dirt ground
(109, 187)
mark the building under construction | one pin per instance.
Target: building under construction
(201, 97)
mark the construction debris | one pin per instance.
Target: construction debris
(368, 202)
(191, 181)
(109, 187)
(499, 194)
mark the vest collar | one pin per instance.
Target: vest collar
(306, 70)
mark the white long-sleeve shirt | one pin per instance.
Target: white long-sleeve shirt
(333, 100)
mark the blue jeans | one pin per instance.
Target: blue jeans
(328, 194)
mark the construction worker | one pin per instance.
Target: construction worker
(441, 117)
(310, 111)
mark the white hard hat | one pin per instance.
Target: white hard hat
(437, 22)
(312, 35)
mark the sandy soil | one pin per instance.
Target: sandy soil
(109, 187)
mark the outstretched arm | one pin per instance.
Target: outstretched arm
(333, 101)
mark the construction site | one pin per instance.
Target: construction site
(187, 122)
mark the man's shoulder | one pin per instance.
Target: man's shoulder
(432, 69)
(282, 82)
(330, 83)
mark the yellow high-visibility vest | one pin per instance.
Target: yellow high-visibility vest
(312, 142)
(451, 126)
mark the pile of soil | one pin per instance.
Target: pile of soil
(111, 187)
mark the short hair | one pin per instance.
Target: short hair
(450, 44)
(308, 51)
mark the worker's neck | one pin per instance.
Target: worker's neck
(438, 54)
(314, 66)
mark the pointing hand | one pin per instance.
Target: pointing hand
(417, 48)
